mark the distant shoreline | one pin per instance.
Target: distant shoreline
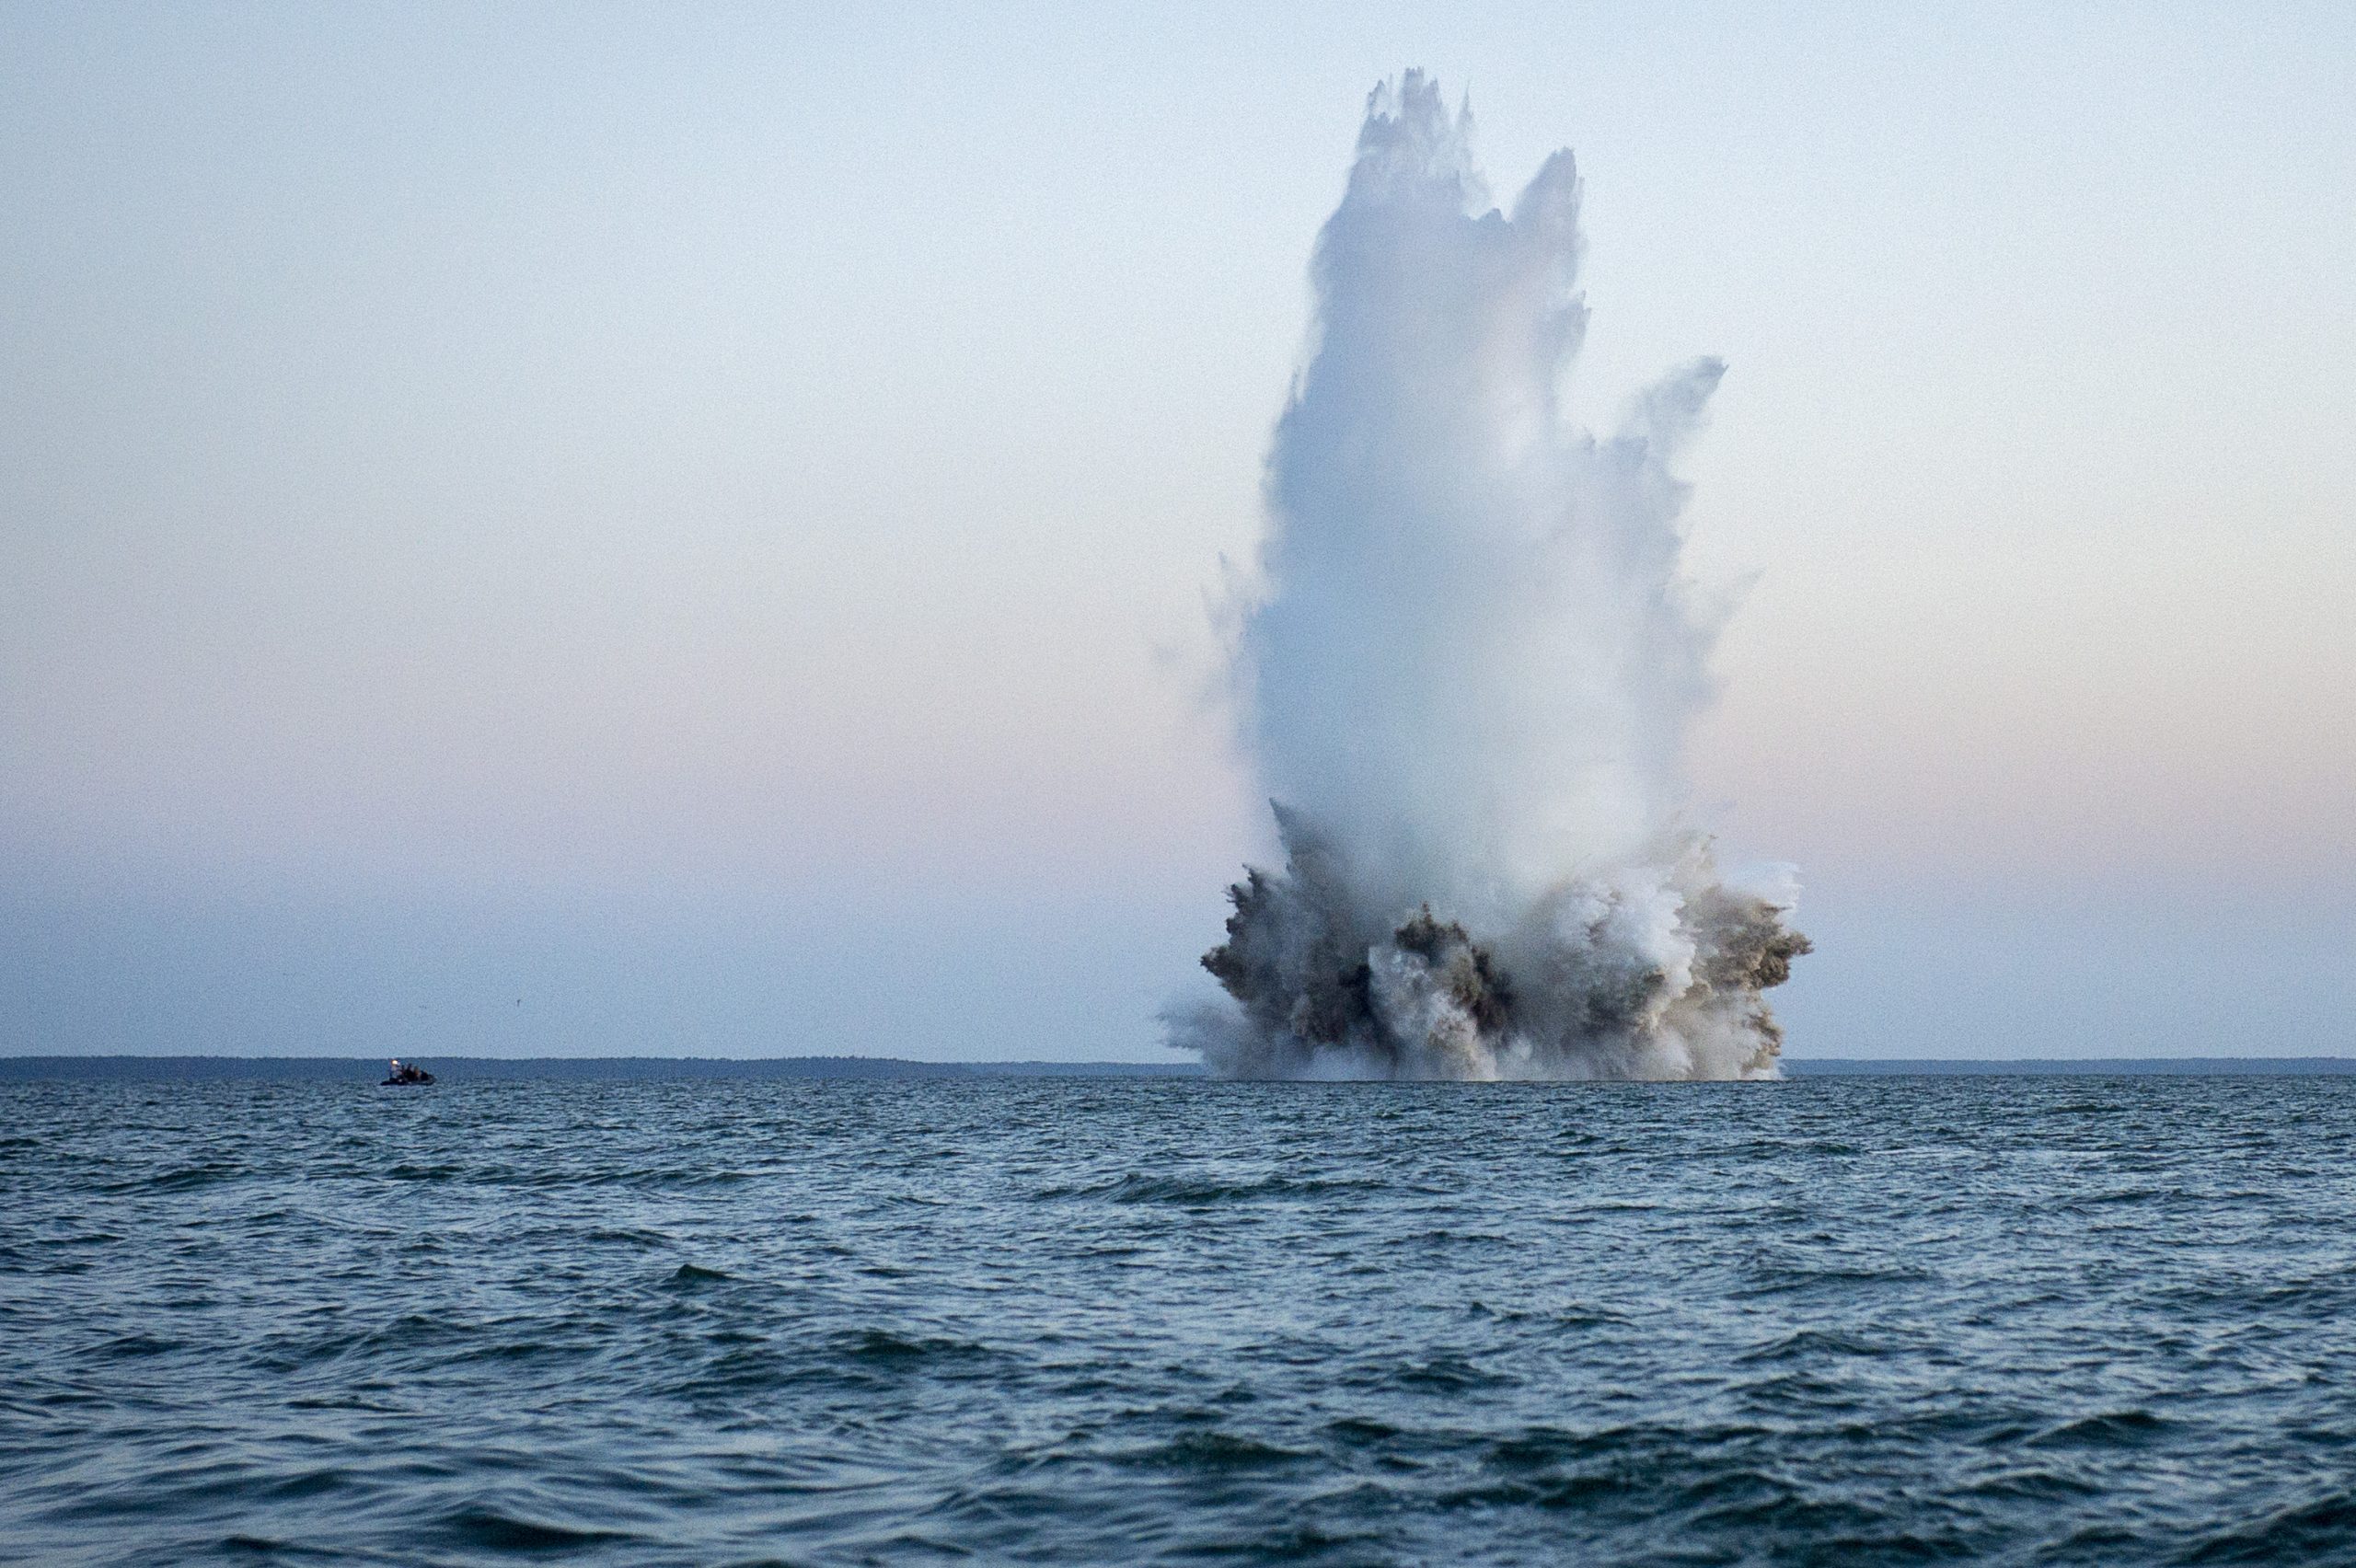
(592, 1069)
(85, 1069)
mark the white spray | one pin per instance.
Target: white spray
(1468, 676)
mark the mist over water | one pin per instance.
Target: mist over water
(1469, 673)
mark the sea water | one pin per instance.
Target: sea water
(1832, 1320)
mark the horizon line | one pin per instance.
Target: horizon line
(165, 1067)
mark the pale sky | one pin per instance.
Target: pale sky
(686, 530)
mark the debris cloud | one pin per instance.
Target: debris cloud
(1468, 674)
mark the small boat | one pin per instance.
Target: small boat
(403, 1073)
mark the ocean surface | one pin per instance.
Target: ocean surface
(1833, 1320)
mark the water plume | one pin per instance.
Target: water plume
(1468, 674)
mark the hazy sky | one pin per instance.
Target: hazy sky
(686, 529)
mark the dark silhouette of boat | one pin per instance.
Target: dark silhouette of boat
(405, 1074)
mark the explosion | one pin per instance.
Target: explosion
(1470, 675)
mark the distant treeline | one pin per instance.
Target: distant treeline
(2093, 1067)
(286, 1069)
(339, 1069)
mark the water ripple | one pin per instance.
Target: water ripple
(1072, 1321)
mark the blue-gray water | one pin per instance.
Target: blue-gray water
(2100, 1320)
